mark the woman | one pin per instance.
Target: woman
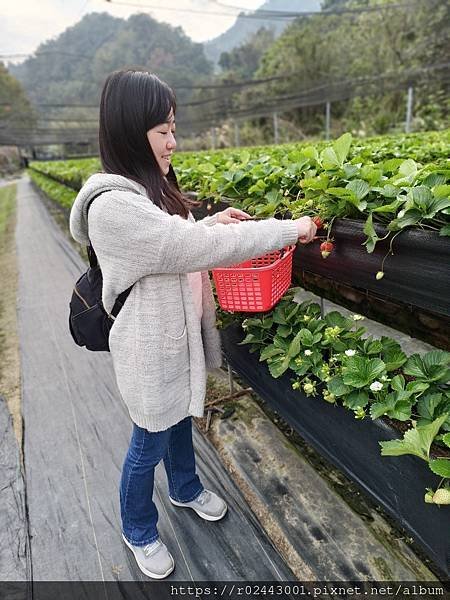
(165, 335)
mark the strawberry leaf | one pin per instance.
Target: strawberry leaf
(440, 466)
(360, 372)
(416, 441)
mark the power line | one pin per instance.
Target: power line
(247, 83)
(335, 11)
(330, 91)
(35, 54)
(45, 52)
(336, 91)
(263, 14)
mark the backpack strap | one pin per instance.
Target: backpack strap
(93, 262)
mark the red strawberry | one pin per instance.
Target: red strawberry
(326, 249)
(317, 222)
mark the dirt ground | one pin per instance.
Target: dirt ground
(9, 342)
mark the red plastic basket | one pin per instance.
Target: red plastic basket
(255, 285)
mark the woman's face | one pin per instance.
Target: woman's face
(162, 142)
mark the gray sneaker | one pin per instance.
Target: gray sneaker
(153, 559)
(207, 505)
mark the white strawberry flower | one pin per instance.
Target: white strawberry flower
(350, 352)
(308, 352)
(357, 317)
(376, 386)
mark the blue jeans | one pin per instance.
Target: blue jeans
(147, 448)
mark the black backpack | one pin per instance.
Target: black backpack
(89, 323)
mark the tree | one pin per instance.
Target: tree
(244, 60)
(15, 108)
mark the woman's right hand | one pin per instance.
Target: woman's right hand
(306, 229)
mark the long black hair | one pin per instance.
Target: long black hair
(134, 101)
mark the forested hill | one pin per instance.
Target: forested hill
(245, 27)
(72, 67)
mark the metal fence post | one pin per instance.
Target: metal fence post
(237, 141)
(327, 120)
(409, 104)
(275, 128)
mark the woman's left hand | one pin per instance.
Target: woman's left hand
(232, 215)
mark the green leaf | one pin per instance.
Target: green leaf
(445, 230)
(408, 168)
(342, 147)
(360, 372)
(306, 337)
(396, 405)
(437, 205)
(440, 466)
(394, 359)
(398, 383)
(335, 319)
(310, 152)
(329, 159)
(416, 441)
(295, 346)
(441, 191)
(269, 352)
(388, 208)
(337, 387)
(278, 367)
(401, 411)
(417, 387)
(427, 405)
(391, 165)
(279, 315)
(359, 187)
(411, 217)
(421, 196)
(291, 314)
(281, 342)
(446, 439)
(250, 338)
(434, 179)
(274, 196)
(372, 237)
(377, 409)
(433, 366)
(356, 399)
(373, 347)
(284, 330)
(206, 168)
(436, 357)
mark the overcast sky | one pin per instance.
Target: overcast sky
(24, 24)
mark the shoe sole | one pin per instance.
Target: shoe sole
(200, 514)
(146, 571)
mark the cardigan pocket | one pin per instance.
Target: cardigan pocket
(175, 356)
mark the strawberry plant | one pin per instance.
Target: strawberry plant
(332, 355)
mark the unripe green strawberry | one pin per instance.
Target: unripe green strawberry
(429, 497)
(379, 275)
(442, 496)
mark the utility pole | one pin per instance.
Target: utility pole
(275, 128)
(409, 104)
(327, 120)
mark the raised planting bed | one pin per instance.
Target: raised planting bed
(418, 274)
(396, 483)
